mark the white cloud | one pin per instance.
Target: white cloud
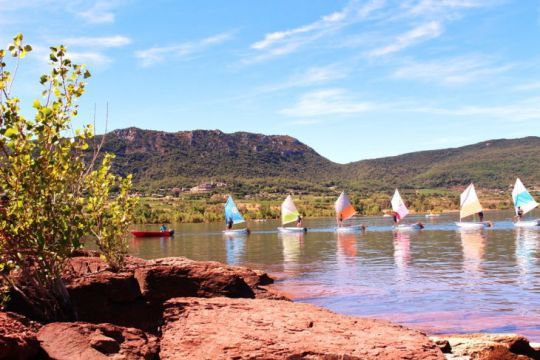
(312, 76)
(287, 41)
(97, 42)
(180, 51)
(89, 58)
(529, 86)
(453, 71)
(524, 110)
(441, 6)
(325, 102)
(420, 33)
(99, 13)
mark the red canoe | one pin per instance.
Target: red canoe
(167, 233)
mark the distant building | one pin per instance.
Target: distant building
(207, 187)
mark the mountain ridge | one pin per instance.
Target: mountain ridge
(257, 162)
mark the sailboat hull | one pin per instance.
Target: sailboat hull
(531, 223)
(244, 231)
(410, 227)
(472, 225)
(292, 229)
(351, 229)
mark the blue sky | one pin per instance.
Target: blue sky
(352, 79)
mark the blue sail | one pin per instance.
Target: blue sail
(231, 212)
(522, 198)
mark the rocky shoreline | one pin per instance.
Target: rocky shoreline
(176, 308)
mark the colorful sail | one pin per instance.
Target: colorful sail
(231, 212)
(288, 211)
(470, 204)
(344, 207)
(522, 198)
(398, 206)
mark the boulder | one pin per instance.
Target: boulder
(225, 328)
(488, 346)
(18, 337)
(79, 340)
(134, 296)
(168, 278)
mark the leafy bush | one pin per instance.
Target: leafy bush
(52, 195)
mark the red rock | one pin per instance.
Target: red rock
(167, 278)
(489, 346)
(103, 288)
(224, 328)
(18, 337)
(134, 296)
(83, 265)
(80, 340)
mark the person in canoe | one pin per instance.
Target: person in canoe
(230, 223)
(162, 228)
(299, 221)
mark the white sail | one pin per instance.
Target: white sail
(289, 213)
(398, 206)
(522, 198)
(470, 204)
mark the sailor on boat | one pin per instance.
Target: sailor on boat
(340, 220)
(519, 213)
(299, 221)
(230, 223)
(162, 228)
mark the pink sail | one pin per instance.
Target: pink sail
(398, 206)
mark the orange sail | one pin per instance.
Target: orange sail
(344, 207)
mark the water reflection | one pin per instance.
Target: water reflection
(526, 248)
(346, 245)
(292, 243)
(234, 248)
(473, 243)
(402, 253)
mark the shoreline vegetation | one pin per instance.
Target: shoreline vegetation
(207, 208)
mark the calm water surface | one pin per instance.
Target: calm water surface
(437, 280)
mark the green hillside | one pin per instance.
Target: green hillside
(254, 163)
(251, 161)
(492, 164)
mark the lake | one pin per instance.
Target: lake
(439, 280)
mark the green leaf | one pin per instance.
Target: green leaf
(10, 132)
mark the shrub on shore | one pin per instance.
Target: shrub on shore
(52, 195)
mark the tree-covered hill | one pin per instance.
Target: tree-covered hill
(493, 164)
(160, 159)
(254, 163)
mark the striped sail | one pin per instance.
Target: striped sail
(344, 207)
(470, 204)
(398, 206)
(522, 198)
(288, 211)
(231, 212)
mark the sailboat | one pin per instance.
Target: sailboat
(400, 211)
(345, 210)
(470, 205)
(232, 213)
(523, 200)
(289, 213)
